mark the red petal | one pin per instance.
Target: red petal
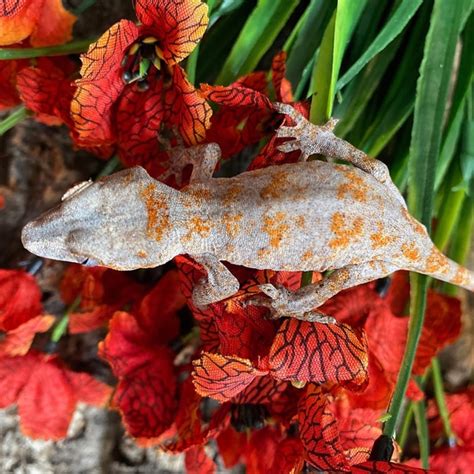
(237, 96)
(139, 117)
(8, 93)
(223, 377)
(187, 109)
(377, 467)
(14, 374)
(399, 293)
(231, 445)
(442, 326)
(261, 390)
(101, 84)
(197, 461)
(47, 90)
(47, 401)
(188, 420)
(54, 25)
(89, 390)
(280, 84)
(360, 428)
(157, 314)
(380, 325)
(90, 320)
(262, 441)
(18, 19)
(352, 306)
(146, 397)
(289, 458)
(20, 298)
(319, 433)
(178, 25)
(314, 352)
(18, 341)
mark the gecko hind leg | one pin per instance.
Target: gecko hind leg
(301, 303)
(220, 282)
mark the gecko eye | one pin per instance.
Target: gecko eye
(85, 261)
(90, 262)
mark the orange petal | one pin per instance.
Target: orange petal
(18, 341)
(187, 109)
(178, 25)
(101, 84)
(223, 377)
(54, 25)
(18, 20)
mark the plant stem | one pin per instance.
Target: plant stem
(63, 323)
(110, 167)
(441, 400)
(405, 426)
(19, 114)
(422, 432)
(419, 286)
(74, 47)
(85, 5)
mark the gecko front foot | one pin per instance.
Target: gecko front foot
(284, 303)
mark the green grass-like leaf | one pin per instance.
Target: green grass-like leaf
(432, 90)
(256, 37)
(394, 26)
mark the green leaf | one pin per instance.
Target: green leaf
(74, 47)
(398, 101)
(308, 39)
(465, 76)
(358, 93)
(333, 46)
(394, 26)
(256, 37)
(467, 150)
(16, 116)
(432, 91)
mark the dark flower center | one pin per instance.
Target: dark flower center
(142, 56)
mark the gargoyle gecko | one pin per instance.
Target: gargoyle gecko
(304, 216)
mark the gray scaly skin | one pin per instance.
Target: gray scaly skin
(296, 217)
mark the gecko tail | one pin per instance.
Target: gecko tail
(442, 268)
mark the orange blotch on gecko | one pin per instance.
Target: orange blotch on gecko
(343, 231)
(411, 252)
(158, 212)
(231, 222)
(354, 187)
(275, 228)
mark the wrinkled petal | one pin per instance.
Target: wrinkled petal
(223, 377)
(315, 352)
(139, 117)
(8, 93)
(179, 25)
(101, 84)
(187, 109)
(319, 432)
(47, 90)
(377, 467)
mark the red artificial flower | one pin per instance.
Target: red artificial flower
(20, 298)
(42, 22)
(459, 457)
(47, 89)
(301, 352)
(197, 461)
(131, 83)
(46, 393)
(102, 291)
(136, 348)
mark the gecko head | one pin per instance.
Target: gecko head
(102, 223)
